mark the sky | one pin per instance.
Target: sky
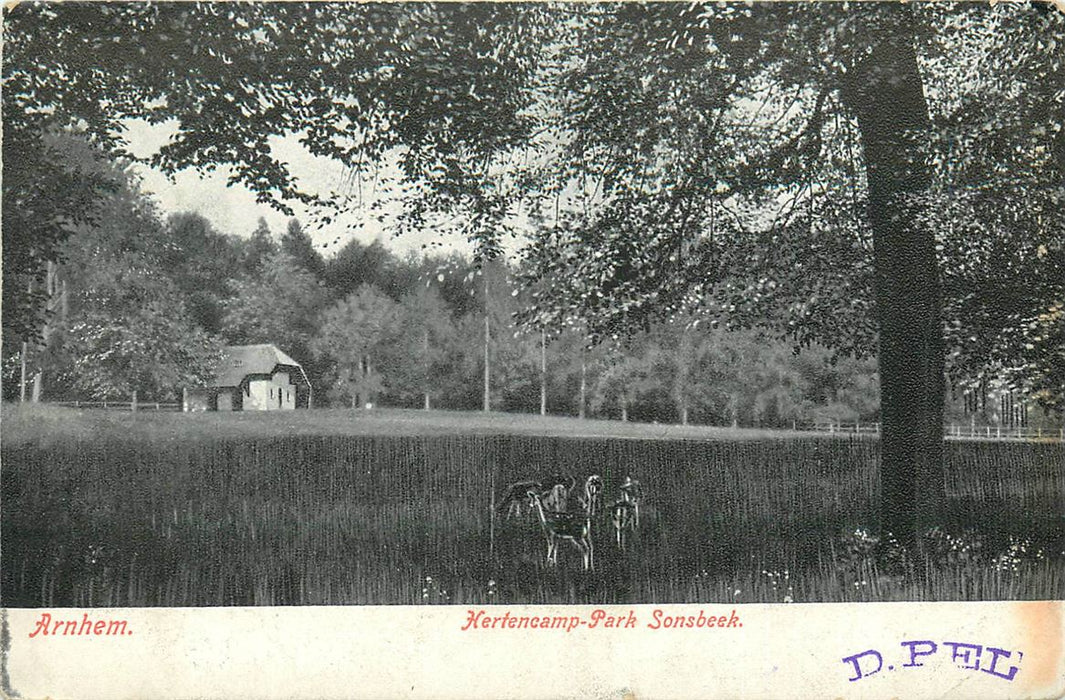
(233, 209)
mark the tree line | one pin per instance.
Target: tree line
(146, 305)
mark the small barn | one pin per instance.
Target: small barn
(253, 378)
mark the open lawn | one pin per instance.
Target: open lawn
(43, 423)
(395, 507)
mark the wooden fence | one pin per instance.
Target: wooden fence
(957, 432)
(120, 405)
(856, 428)
(988, 432)
(961, 432)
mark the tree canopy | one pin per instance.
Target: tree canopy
(880, 178)
(443, 83)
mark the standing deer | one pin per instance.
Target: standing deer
(633, 494)
(571, 527)
(593, 490)
(623, 514)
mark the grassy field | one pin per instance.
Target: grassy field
(42, 424)
(393, 507)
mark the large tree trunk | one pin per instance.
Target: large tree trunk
(885, 93)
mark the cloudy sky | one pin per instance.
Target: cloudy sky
(233, 209)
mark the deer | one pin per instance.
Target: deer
(632, 493)
(555, 498)
(515, 498)
(593, 490)
(572, 527)
(623, 514)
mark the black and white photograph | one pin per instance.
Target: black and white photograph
(511, 306)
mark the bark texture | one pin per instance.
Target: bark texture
(885, 93)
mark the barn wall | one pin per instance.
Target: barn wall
(276, 393)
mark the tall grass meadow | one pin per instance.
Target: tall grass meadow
(343, 519)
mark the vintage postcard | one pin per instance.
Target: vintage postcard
(533, 350)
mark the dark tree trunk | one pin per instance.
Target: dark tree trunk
(885, 93)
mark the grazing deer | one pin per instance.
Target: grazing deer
(623, 513)
(571, 527)
(593, 490)
(633, 494)
(516, 498)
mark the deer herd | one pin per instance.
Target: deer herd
(549, 503)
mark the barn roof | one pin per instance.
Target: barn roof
(238, 361)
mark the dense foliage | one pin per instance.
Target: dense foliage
(146, 306)
(706, 163)
(879, 179)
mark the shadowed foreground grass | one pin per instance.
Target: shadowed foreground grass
(339, 507)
